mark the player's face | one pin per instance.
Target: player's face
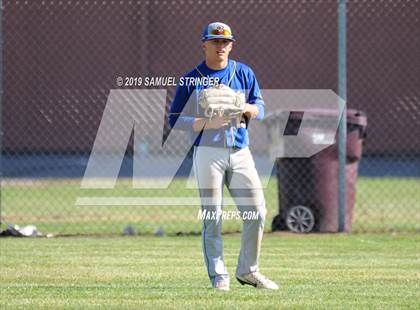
(217, 49)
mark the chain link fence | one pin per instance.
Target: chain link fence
(65, 62)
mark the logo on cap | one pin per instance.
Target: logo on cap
(217, 31)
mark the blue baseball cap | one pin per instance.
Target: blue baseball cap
(217, 30)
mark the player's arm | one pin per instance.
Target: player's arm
(255, 106)
(214, 123)
(176, 117)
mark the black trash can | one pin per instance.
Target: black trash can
(308, 187)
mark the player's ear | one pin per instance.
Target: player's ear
(230, 46)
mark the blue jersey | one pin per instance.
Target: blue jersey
(239, 77)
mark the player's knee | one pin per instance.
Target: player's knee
(262, 210)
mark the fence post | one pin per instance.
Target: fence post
(1, 104)
(342, 128)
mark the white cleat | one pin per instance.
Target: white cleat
(222, 285)
(258, 280)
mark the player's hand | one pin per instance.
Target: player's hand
(251, 110)
(217, 122)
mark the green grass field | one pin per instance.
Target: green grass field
(314, 272)
(382, 204)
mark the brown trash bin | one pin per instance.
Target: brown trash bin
(308, 187)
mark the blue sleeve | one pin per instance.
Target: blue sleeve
(254, 96)
(184, 122)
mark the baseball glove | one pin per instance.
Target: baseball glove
(221, 100)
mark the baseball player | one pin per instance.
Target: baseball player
(221, 154)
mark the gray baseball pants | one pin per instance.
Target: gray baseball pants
(213, 168)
